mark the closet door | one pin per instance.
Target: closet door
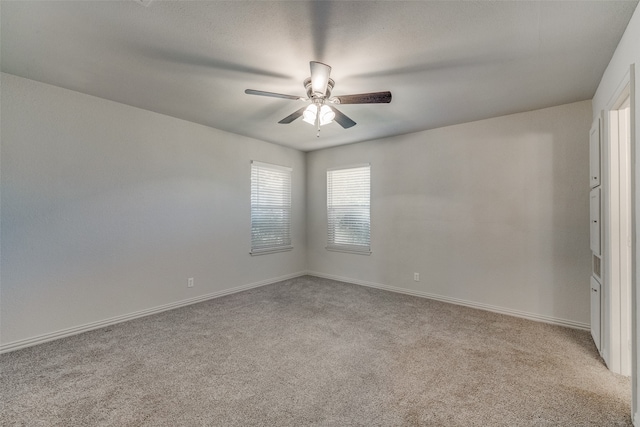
(594, 218)
(594, 153)
(596, 307)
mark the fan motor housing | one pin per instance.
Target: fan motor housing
(311, 95)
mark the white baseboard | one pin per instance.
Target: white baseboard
(28, 342)
(457, 301)
(636, 420)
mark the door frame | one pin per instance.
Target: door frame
(615, 335)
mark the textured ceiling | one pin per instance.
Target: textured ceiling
(445, 62)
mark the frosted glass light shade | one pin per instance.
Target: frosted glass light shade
(326, 115)
(309, 114)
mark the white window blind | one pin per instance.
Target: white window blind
(349, 209)
(270, 208)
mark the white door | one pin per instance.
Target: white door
(595, 311)
(594, 153)
(594, 217)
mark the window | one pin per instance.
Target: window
(270, 208)
(348, 209)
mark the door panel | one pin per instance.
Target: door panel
(595, 311)
(594, 153)
(594, 218)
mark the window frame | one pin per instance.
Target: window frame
(287, 245)
(340, 247)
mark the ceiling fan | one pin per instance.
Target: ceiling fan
(321, 110)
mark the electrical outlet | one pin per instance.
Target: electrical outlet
(190, 282)
(416, 277)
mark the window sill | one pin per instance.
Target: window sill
(349, 250)
(256, 252)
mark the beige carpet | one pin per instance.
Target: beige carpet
(310, 351)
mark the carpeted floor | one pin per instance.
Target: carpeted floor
(311, 351)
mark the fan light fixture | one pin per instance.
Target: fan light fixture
(310, 114)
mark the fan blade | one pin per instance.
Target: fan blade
(365, 98)
(291, 117)
(342, 119)
(319, 77)
(273, 95)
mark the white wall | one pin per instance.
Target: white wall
(494, 213)
(108, 209)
